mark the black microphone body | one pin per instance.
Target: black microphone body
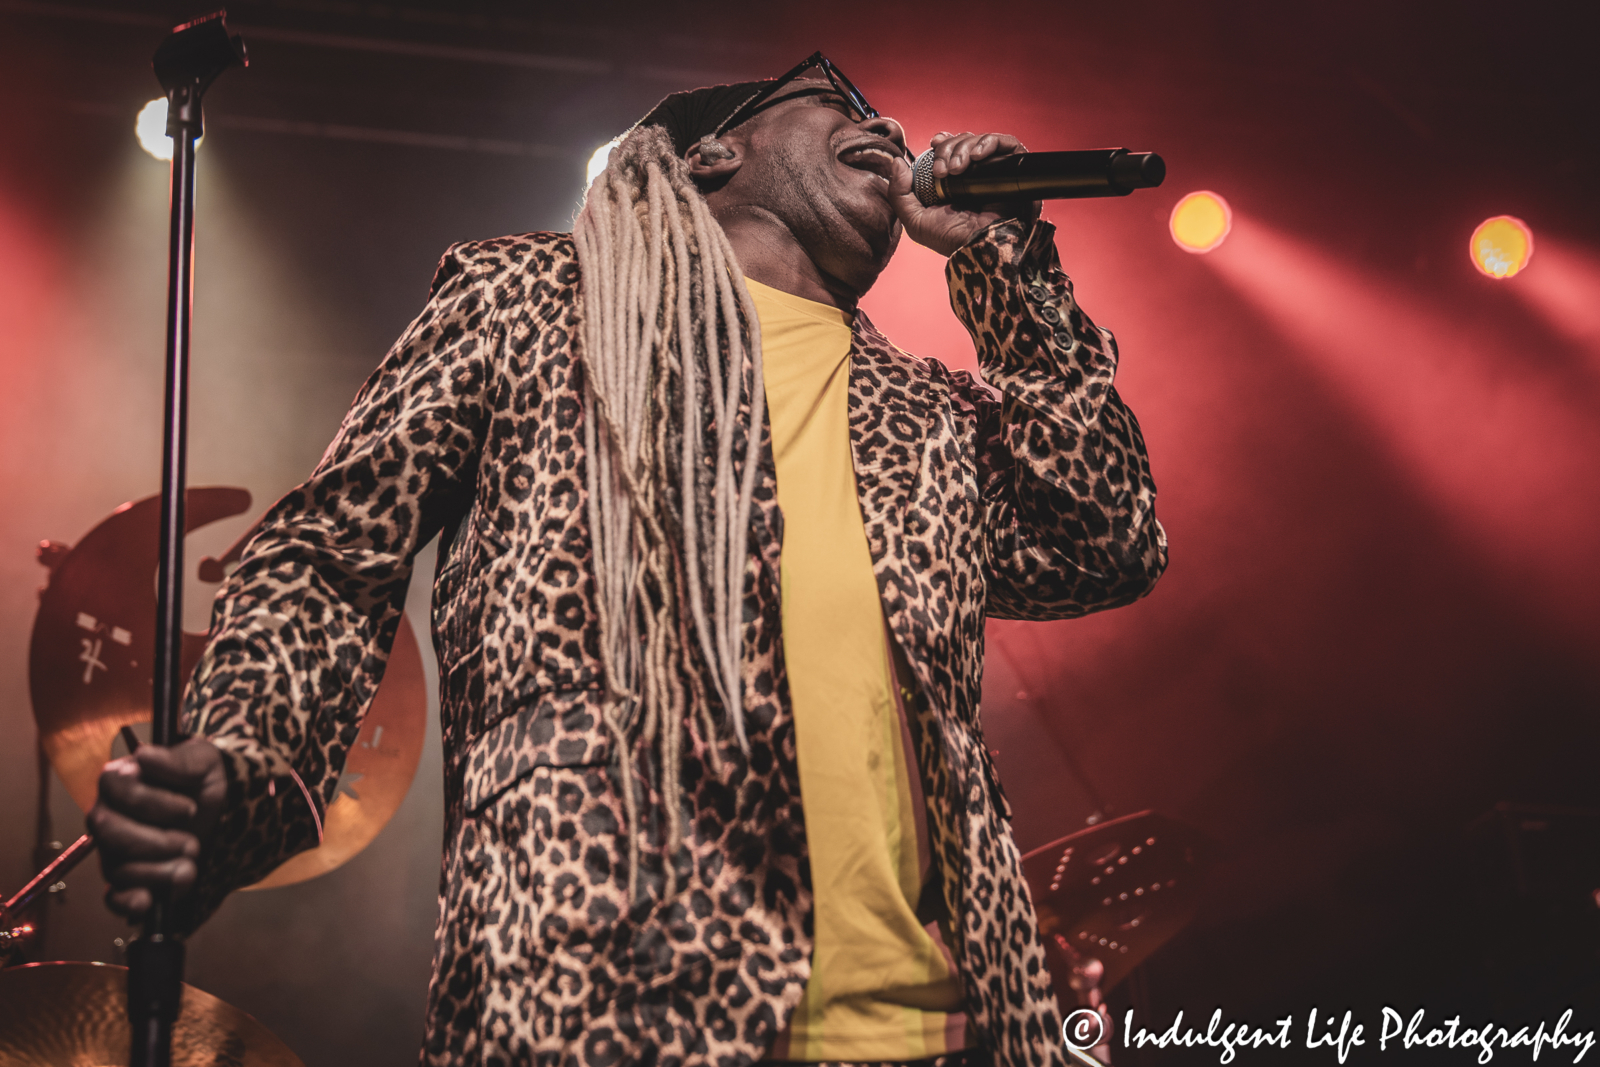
(1040, 176)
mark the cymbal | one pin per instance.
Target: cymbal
(1115, 892)
(89, 671)
(72, 1014)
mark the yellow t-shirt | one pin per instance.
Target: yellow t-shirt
(882, 985)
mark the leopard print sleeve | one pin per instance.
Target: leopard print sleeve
(302, 629)
(1069, 503)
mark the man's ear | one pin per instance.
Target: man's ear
(712, 161)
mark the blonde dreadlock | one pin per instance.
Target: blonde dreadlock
(667, 326)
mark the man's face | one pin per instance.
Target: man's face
(825, 176)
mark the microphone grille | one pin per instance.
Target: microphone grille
(922, 179)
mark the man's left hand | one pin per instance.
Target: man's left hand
(945, 228)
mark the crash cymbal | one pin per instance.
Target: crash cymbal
(76, 1015)
(89, 670)
(1115, 892)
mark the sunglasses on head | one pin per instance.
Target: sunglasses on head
(845, 87)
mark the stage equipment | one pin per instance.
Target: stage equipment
(89, 668)
(1113, 894)
(150, 127)
(72, 1013)
(48, 880)
(1501, 246)
(1039, 176)
(1201, 221)
(11, 937)
(186, 63)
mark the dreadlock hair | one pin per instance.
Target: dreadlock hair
(668, 324)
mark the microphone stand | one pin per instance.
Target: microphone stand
(186, 63)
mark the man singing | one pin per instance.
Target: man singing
(715, 563)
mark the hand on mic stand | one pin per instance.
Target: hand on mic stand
(153, 820)
(946, 227)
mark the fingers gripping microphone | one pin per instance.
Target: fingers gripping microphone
(1040, 176)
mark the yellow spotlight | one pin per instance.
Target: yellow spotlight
(1501, 246)
(1201, 221)
(597, 162)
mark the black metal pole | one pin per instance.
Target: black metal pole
(155, 961)
(183, 121)
(186, 64)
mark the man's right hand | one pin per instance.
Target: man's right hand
(155, 815)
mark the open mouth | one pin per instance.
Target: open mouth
(872, 158)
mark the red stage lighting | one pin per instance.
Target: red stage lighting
(1201, 221)
(1488, 448)
(1501, 246)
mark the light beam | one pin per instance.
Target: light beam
(1498, 443)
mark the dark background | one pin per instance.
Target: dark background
(1378, 468)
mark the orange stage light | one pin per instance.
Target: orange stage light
(1501, 246)
(1201, 221)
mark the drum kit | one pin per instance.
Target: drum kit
(1107, 898)
(89, 670)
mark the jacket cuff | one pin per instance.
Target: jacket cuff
(267, 817)
(1033, 341)
(1014, 241)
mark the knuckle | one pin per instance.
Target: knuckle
(183, 874)
(112, 782)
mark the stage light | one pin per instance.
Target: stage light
(1501, 246)
(151, 128)
(597, 162)
(1482, 448)
(1201, 221)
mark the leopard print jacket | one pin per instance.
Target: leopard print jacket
(1032, 500)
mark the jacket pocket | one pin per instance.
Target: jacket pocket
(559, 728)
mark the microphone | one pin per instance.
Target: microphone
(1040, 176)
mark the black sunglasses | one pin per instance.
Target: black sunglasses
(844, 85)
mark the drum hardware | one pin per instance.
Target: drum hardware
(89, 674)
(14, 938)
(49, 881)
(72, 1013)
(90, 667)
(1107, 898)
